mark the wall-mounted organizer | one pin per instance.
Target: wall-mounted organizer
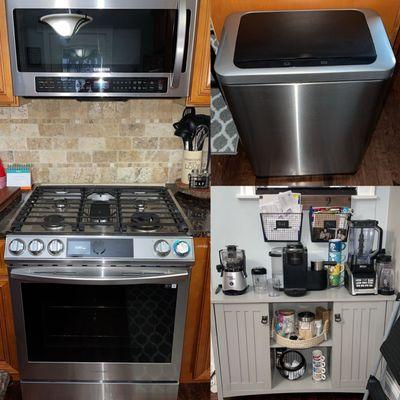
(281, 227)
(328, 223)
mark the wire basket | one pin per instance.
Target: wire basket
(325, 226)
(281, 227)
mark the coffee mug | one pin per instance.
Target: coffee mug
(336, 245)
(318, 354)
(318, 364)
(336, 256)
(318, 370)
(319, 377)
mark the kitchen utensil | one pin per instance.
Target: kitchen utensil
(233, 270)
(295, 269)
(386, 274)
(318, 327)
(365, 243)
(259, 276)
(192, 161)
(292, 365)
(277, 266)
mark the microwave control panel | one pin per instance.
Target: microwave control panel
(101, 85)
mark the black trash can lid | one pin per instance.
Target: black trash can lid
(303, 38)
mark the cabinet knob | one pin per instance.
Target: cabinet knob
(264, 319)
(338, 318)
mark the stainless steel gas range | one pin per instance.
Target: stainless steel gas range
(99, 282)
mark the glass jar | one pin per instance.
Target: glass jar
(306, 324)
(259, 276)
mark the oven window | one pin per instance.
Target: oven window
(114, 41)
(92, 323)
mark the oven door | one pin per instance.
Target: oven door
(99, 323)
(148, 40)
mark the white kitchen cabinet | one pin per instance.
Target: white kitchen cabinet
(358, 329)
(244, 352)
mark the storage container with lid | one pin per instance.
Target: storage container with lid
(305, 88)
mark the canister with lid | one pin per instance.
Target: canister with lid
(306, 324)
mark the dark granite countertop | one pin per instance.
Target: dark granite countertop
(9, 214)
(197, 211)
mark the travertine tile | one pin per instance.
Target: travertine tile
(79, 156)
(94, 142)
(104, 156)
(41, 143)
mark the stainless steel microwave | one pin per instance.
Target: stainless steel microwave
(101, 48)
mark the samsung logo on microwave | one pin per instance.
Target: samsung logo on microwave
(96, 69)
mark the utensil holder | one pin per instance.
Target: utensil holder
(192, 160)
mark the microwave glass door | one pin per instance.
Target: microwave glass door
(99, 323)
(119, 41)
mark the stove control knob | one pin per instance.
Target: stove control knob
(162, 248)
(55, 247)
(16, 247)
(181, 248)
(99, 247)
(35, 247)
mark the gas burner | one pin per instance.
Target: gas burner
(61, 204)
(53, 222)
(105, 197)
(145, 222)
(139, 205)
(100, 212)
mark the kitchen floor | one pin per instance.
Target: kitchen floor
(196, 391)
(380, 165)
(305, 396)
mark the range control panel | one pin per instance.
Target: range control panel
(150, 248)
(101, 85)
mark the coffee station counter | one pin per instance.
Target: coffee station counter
(333, 294)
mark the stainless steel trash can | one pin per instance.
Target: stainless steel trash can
(305, 88)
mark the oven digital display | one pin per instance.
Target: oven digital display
(78, 248)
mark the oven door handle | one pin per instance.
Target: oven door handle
(180, 43)
(58, 275)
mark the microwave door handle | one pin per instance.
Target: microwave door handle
(180, 43)
(36, 275)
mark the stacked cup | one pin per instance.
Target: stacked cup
(318, 366)
(335, 274)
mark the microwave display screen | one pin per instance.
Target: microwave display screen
(122, 41)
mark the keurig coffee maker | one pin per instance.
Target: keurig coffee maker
(295, 269)
(233, 270)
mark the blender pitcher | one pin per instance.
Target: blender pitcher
(365, 241)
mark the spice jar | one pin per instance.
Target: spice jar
(306, 325)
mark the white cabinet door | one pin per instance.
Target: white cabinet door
(243, 347)
(358, 329)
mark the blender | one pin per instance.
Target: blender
(365, 243)
(233, 270)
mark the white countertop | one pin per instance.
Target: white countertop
(332, 294)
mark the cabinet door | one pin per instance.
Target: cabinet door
(243, 348)
(6, 92)
(8, 354)
(196, 346)
(200, 86)
(356, 341)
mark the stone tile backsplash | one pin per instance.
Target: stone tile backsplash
(68, 141)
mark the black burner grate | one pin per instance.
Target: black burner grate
(100, 210)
